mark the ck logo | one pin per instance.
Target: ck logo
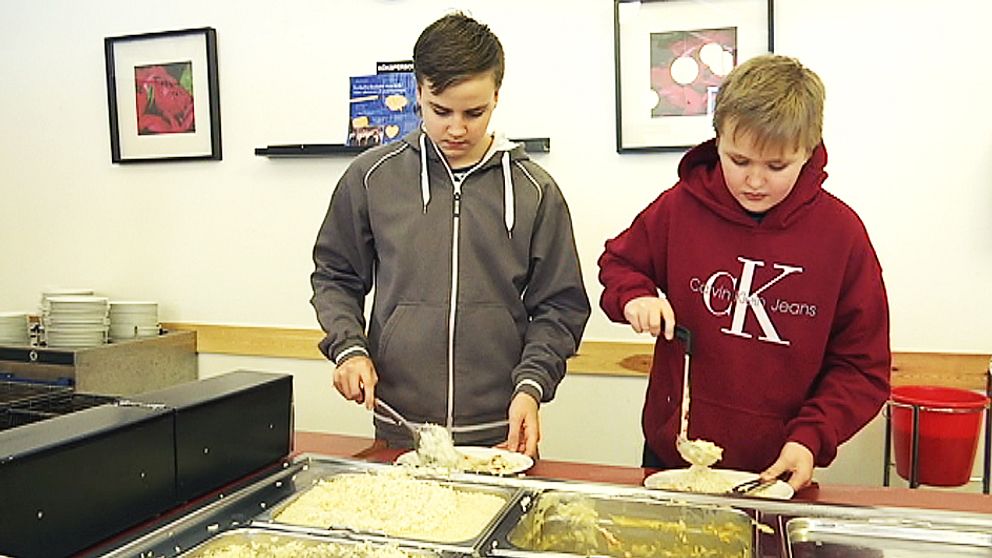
(745, 298)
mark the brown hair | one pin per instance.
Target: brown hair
(456, 48)
(775, 99)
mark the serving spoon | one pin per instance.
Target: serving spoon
(440, 450)
(696, 452)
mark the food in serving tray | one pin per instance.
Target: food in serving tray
(576, 524)
(395, 503)
(275, 546)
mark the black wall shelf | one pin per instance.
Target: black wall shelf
(531, 145)
(309, 150)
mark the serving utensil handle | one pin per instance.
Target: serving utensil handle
(400, 420)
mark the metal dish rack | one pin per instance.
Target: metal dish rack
(25, 402)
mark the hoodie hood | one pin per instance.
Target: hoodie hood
(701, 175)
(501, 152)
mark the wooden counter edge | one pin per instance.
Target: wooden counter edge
(607, 358)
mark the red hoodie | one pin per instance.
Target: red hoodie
(809, 363)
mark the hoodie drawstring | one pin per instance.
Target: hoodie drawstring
(425, 189)
(508, 216)
(508, 213)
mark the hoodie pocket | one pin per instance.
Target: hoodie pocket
(392, 325)
(410, 357)
(489, 347)
(751, 440)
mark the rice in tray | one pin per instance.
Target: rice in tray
(284, 547)
(394, 503)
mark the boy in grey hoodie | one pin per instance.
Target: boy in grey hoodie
(468, 244)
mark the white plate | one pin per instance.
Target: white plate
(72, 300)
(665, 479)
(133, 307)
(514, 462)
(14, 316)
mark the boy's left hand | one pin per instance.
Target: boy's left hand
(794, 458)
(525, 425)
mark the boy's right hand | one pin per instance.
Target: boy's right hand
(355, 379)
(651, 314)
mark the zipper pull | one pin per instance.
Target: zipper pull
(458, 203)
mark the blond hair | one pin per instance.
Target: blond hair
(774, 99)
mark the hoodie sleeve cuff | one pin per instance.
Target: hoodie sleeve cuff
(531, 388)
(809, 437)
(349, 352)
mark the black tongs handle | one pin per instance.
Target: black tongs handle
(752, 485)
(683, 334)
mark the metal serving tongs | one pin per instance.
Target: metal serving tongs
(697, 452)
(400, 420)
(750, 486)
(440, 450)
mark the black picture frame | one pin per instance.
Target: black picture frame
(646, 33)
(163, 96)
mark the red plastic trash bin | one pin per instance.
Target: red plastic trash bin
(950, 421)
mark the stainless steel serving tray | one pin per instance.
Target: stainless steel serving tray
(267, 543)
(252, 505)
(582, 524)
(813, 537)
(790, 529)
(318, 470)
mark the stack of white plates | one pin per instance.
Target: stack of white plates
(74, 321)
(133, 319)
(50, 292)
(63, 292)
(14, 328)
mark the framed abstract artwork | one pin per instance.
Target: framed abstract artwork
(163, 96)
(670, 58)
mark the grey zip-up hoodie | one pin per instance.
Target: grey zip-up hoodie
(478, 290)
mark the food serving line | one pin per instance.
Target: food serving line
(186, 472)
(573, 509)
(337, 445)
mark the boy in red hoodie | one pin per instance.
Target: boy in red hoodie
(775, 277)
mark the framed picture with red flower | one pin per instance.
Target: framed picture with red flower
(670, 58)
(163, 96)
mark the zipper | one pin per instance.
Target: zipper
(453, 294)
(455, 220)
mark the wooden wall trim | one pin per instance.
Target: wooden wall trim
(968, 371)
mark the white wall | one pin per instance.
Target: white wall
(910, 143)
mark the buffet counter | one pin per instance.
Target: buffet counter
(338, 496)
(337, 445)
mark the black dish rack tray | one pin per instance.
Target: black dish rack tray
(23, 403)
(14, 394)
